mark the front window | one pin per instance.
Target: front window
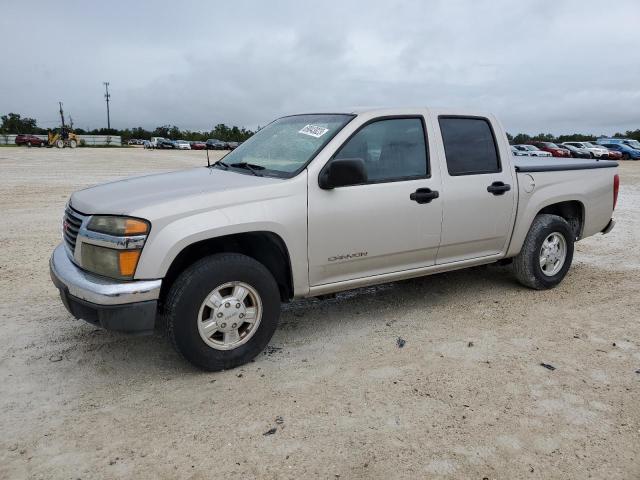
(284, 147)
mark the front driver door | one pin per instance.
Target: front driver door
(375, 228)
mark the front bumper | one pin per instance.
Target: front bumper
(112, 304)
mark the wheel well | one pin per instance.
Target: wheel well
(572, 211)
(265, 247)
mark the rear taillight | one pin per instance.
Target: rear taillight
(616, 187)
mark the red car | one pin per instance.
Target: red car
(29, 140)
(198, 145)
(614, 155)
(553, 149)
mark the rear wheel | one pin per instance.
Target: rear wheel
(625, 156)
(73, 143)
(546, 254)
(60, 144)
(29, 144)
(222, 311)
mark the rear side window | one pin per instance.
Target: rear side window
(469, 146)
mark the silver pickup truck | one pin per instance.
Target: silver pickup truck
(312, 205)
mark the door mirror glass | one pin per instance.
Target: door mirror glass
(342, 172)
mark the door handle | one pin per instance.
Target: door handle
(498, 188)
(424, 195)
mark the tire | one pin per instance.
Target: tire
(591, 155)
(526, 264)
(29, 144)
(73, 143)
(60, 144)
(625, 156)
(184, 310)
(41, 144)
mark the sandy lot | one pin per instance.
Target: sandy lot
(465, 398)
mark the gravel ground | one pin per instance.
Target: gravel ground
(466, 397)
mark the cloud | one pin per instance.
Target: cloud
(539, 65)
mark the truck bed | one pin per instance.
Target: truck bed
(551, 164)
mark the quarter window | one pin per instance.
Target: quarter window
(469, 146)
(392, 149)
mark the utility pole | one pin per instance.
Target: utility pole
(106, 96)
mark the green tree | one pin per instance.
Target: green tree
(14, 123)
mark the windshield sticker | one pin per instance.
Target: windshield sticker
(314, 131)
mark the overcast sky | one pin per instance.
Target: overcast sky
(542, 66)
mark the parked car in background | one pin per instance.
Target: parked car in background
(614, 154)
(532, 151)
(197, 145)
(154, 141)
(214, 144)
(146, 144)
(232, 145)
(518, 153)
(30, 140)
(182, 145)
(552, 148)
(575, 152)
(165, 143)
(625, 141)
(596, 151)
(627, 152)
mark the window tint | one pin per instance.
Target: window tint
(391, 149)
(469, 146)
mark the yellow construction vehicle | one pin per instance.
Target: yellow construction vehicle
(63, 136)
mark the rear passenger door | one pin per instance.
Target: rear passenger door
(479, 190)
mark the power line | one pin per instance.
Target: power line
(107, 95)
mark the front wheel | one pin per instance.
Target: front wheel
(222, 311)
(625, 156)
(73, 143)
(546, 254)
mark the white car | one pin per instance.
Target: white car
(183, 145)
(532, 151)
(218, 248)
(597, 151)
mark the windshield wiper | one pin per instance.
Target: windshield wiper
(222, 164)
(249, 166)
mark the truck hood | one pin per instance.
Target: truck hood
(139, 196)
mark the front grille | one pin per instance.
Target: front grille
(70, 227)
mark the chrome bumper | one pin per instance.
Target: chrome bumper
(95, 289)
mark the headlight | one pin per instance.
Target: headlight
(120, 226)
(109, 262)
(111, 245)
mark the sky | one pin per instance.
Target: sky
(553, 66)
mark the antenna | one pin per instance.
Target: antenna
(208, 162)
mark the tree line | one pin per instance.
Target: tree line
(13, 123)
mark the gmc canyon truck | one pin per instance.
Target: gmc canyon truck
(316, 204)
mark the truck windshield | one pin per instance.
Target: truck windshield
(284, 147)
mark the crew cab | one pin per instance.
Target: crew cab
(316, 204)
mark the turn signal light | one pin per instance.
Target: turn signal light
(133, 226)
(127, 262)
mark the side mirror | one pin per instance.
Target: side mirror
(342, 172)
